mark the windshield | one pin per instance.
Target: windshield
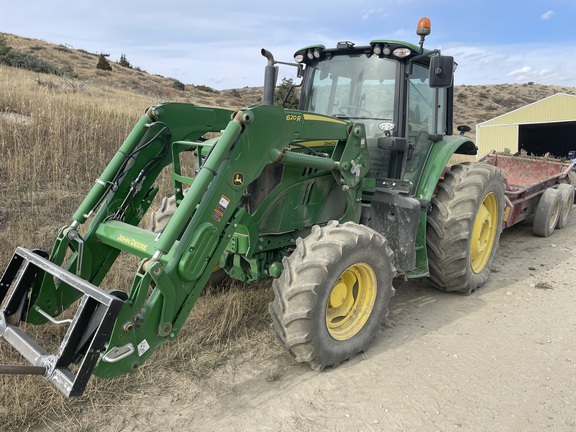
(362, 88)
(353, 86)
(366, 89)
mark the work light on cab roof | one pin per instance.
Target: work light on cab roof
(380, 48)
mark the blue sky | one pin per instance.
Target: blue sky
(217, 42)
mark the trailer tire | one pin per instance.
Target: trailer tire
(547, 212)
(464, 227)
(333, 294)
(160, 218)
(567, 194)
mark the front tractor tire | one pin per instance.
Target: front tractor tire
(332, 294)
(464, 227)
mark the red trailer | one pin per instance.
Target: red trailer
(535, 186)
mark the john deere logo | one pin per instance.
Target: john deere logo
(238, 179)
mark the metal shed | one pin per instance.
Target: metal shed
(545, 126)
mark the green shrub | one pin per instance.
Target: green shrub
(177, 84)
(13, 58)
(28, 62)
(206, 89)
(124, 61)
(284, 94)
(4, 48)
(103, 64)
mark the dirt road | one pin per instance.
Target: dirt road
(502, 359)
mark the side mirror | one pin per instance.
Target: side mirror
(441, 71)
(463, 129)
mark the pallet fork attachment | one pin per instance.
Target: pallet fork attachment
(87, 333)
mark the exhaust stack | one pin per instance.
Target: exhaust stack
(270, 77)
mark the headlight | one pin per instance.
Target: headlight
(402, 52)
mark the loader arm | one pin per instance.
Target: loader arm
(114, 332)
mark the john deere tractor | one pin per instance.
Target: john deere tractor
(332, 200)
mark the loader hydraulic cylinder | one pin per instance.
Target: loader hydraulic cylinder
(102, 184)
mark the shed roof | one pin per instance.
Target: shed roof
(556, 108)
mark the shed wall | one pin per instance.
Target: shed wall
(497, 138)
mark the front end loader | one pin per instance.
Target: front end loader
(332, 200)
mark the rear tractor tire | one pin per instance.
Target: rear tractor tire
(547, 214)
(332, 294)
(160, 218)
(464, 227)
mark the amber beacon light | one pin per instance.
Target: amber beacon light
(424, 27)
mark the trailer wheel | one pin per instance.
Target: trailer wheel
(160, 218)
(547, 212)
(332, 294)
(567, 193)
(464, 227)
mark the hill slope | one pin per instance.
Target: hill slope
(82, 65)
(473, 104)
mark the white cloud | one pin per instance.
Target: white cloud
(515, 63)
(373, 13)
(548, 15)
(523, 70)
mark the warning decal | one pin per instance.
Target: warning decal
(220, 208)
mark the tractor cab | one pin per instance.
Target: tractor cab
(391, 88)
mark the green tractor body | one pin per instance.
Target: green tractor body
(332, 200)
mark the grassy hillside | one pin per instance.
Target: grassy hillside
(473, 104)
(57, 133)
(82, 66)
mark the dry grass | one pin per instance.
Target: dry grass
(224, 324)
(55, 138)
(49, 162)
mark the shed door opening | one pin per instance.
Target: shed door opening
(541, 138)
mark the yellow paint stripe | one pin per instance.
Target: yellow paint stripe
(315, 117)
(325, 143)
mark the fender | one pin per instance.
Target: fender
(438, 158)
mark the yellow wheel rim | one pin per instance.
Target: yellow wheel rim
(484, 233)
(351, 301)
